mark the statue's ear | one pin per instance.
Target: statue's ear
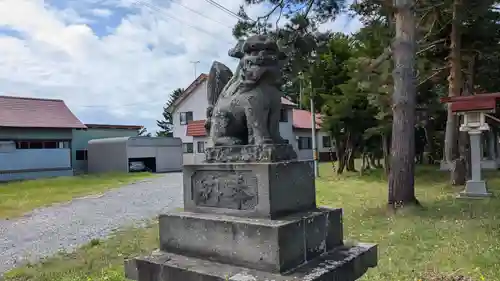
(237, 51)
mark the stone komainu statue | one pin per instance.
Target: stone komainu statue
(244, 108)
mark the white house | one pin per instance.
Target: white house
(189, 114)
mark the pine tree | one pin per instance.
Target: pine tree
(166, 123)
(143, 132)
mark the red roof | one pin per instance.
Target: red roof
(479, 102)
(196, 128)
(110, 126)
(22, 112)
(302, 119)
(285, 101)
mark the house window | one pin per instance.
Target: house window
(187, 147)
(36, 145)
(305, 143)
(81, 155)
(327, 141)
(42, 144)
(283, 115)
(186, 117)
(201, 147)
(63, 144)
(50, 144)
(22, 145)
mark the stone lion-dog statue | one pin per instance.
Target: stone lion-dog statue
(244, 108)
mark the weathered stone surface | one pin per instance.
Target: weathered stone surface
(250, 153)
(342, 264)
(266, 190)
(238, 190)
(246, 110)
(263, 244)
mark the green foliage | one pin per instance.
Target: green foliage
(294, 24)
(351, 82)
(166, 123)
(143, 132)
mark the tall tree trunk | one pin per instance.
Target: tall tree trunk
(350, 153)
(341, 148)
(402, 172)
(350, 159)
(455, 83)
(387, 155)
(429, 142)
(464, 140)
(373, 160)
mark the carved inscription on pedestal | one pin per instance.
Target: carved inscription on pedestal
(225, 189)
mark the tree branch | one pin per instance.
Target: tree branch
(311, 2)
(430, 46)
(436, 73)
(386, 54)
(279, 17)
(265, 17)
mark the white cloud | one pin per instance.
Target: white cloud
(102, 12)
(125, 75)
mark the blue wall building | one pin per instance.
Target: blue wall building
(81, 138)
(35, 138)
(43, 138)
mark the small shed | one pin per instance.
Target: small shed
(159, 154)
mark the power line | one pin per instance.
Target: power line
(224, 9)
(199, 13)
(161, 13)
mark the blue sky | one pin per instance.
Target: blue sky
(114, 61)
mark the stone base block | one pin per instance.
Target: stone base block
(261, 244)
(475, 189)
(266, 190)
(342, 264)
(250, 153)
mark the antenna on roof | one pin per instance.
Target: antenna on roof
(195, 63)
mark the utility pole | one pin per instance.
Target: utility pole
(313, 132)
(301, 78)
(195, 64)
(300, 91)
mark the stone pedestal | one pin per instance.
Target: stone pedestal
(476, 187)
(265, 190)
(252, 221)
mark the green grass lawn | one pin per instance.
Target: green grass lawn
(19, 197)
(449, 237)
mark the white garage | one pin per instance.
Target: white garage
(157, 154)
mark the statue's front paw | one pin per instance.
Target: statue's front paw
(209, 111)
(259, 141)
(208, 124)
(281, 140)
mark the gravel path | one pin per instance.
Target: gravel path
(66, 226)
